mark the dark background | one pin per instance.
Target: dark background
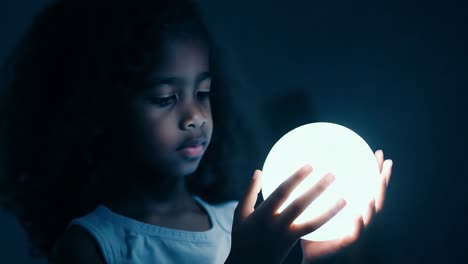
(393, 71)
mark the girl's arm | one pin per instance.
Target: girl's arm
(76, 246)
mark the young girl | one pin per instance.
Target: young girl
(120, 144)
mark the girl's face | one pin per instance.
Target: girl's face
(170, 122)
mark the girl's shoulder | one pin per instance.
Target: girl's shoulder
(92, 238)
(222, 213)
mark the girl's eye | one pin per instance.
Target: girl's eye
(203, 95)
(163, 101)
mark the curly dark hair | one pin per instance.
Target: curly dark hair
(66, 79)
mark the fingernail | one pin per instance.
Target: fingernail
(306, 170)
(389, 162)
(343, 202)
(329, 177)
(256, 172)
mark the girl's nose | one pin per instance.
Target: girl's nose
(193, 118)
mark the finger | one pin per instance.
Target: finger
(280, 194)
(300, 204)
(358, 229)
(379, 156)
(313, 250)
(247, 204)
(387, 170)
(386, 173)
(310, 226)
(369, 214)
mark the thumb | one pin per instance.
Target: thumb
(246, 205)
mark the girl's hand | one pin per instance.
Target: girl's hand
(314, 249)
(264, 236)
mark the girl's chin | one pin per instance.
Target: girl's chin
(173, 167)
(189, 169)
(182, 170)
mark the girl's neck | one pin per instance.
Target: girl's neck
(177, 210)
(157, 199)
(146, 197)
(160, 199)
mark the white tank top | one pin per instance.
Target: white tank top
(125, 240)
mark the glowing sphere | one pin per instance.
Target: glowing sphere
(327, 148)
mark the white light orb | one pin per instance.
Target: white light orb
(327, 147)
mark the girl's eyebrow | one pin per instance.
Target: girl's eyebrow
(166, 80)
(203, 76)
(177, 80)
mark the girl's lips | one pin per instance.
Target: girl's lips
(192, 151)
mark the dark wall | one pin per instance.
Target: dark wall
(393, 71)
